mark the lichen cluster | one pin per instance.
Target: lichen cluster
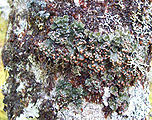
(67, 53)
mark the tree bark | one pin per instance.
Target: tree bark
(78, 60)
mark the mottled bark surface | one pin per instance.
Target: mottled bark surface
(78, 60)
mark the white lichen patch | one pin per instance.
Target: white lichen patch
(19, 30)
(88, 111)
(32, 110)
(40, 75)
(138, 110)
(21, 86)
(76, 2)
(37, 72)
(106, 95)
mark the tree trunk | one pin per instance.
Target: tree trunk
(73, 60)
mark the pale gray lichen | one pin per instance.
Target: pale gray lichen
(31, 111)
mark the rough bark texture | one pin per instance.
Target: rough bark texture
(73, 60)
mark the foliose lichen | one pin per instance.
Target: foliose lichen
(69, 56)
